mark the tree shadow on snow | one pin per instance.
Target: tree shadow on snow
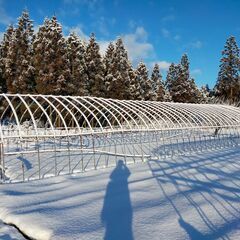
(117, 210)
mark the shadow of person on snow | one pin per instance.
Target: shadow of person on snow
(117, 210)
(192, 232)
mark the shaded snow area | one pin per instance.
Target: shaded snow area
(185, 197)
(9, 233)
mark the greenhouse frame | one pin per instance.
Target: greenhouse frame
(46, 135)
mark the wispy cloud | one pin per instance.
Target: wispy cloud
(5, 19)
(196, 44)
(168, 34)
(165, 32)
(78, 29)
(136, 44)
(177, 37)
(89, 3)
(163, 65)
(168, 18)
(196, 71)
(1, 36)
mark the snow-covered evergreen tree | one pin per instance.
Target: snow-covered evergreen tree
(135, 88)
(108, 67)
(119, 86)
(78, 69)
(157, 84)
(185, 66)
(145, 82)
(7, 38)
(95, 69)
(19, 71)
(50, 59)
(205, 94)
(180, 85)
(228, 85)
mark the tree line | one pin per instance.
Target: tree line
(46, 62)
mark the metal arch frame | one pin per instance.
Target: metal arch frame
(137, 115)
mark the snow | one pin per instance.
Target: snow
(186, 197)
(9, 233)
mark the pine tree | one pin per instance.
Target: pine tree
(78, 69)
(119, 87)
(195, 93)
(145, 82)
(171, 79)
(7, 38)
(108, 67)
(205, 94)
(95, 69)
(228, 85)
(180, 85)
(50, 59)
(135, 88)
(18, 66)
(157, 84)
(185, 66)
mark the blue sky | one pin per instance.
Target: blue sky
(153, 31)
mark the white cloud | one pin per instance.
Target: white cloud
(197, 44)
(165, 32)
(1, 36)
(163, 65)
(132, 23)
(103, 46)
(168, 18)
(76, 29)
(177, 37)
(137, 45)
(196, 71)
(5, 19)
(91, 4)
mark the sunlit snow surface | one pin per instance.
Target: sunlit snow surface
(185, 197)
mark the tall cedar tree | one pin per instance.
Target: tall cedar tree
(78, 69)
(145, 82)
(119, 86)
(157, 84)
(7, 38)
(95, 69)
(108, 67)
(18, 66)
(181, 87)
(228, 85)
(135, 88)
(50, 59)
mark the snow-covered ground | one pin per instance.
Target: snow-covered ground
(185, 197)
(9, 233)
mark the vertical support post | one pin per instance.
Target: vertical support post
(115, 148)
(69, 157)
(2, 163)
(23, 170)
(55, 157)
(141, 146)
(39, 161)
(93, 147)
(81, 146)
(124, 147)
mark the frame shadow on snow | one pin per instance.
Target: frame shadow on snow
(117, 210)
(213, 178)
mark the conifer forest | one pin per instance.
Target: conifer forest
(47, 62)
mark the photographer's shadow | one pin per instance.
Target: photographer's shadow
(117, 210)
